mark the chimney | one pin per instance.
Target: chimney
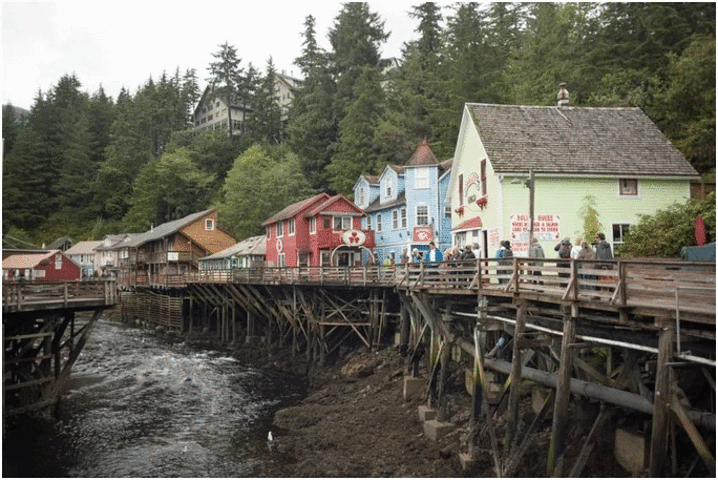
(562, 96)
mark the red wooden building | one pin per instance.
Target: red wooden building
(46, 266)
(318, 231)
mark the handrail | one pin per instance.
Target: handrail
(22, 295)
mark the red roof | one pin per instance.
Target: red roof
(471, 224)
(330, 201)
(24, 261)
(423, 156)
(292, 210)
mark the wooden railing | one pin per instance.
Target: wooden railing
(29, 296)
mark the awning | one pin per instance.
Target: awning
(471, 224)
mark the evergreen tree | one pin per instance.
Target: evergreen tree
(356, 38)
(265, 124)
(226, 79)
(357, 152)
(312, 128)
(11, 126)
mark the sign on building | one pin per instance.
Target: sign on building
(547, 228)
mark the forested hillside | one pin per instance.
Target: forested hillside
(84, 164)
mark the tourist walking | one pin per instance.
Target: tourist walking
(536, 251)
(564, 251)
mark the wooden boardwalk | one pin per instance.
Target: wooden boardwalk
(41, 339)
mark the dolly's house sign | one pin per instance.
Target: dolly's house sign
(354, 238)
(423, 234)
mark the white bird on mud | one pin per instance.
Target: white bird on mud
(270, 441)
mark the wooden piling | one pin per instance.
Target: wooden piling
(662, 397)
(515, 393)
(559, 427)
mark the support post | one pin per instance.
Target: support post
(515, 393)
(405, 325)
(662, 398)
(563, 393)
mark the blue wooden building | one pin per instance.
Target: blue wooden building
(405, 205)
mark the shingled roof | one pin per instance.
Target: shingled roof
(576, 140)
(423, 156)
(293, 209)
(165, 229)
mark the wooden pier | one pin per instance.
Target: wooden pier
(42, 337)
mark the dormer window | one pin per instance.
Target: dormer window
(360, 196)
(389, 185)
(209, 224)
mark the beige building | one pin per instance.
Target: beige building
(213, 112)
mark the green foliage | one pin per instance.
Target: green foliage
(262, 181)
(664, 233)
(591, 223)
(166, 189)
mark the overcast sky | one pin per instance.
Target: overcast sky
(120, 44)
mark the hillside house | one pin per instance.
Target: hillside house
(213, 113)
(170, 249)
(318, 231)
(405, 205)
(84, 254)
(249, 253)
(107, 254)
(51, 266)
(613, 160)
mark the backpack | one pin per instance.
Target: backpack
(565, 251)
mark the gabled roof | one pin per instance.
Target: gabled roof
(324, 206)
(83, 248)
(32, 260)
(165, 229)
(295, 208)
(249, 246)
(576, 140)
(423, 156)
(59, 243)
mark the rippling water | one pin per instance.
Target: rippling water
(140, 406)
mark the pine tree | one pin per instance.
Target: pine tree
(265, 124)
(226, 80)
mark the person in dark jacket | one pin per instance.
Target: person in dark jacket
(603, 252)
(536, 251)
(564, 251)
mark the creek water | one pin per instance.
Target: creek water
(140, 405)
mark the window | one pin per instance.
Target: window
(327, 223)
(313, 225)
(447, 211)
(619, 233)
(58, 261)
(422, 215)
(378, 222)
(403, 217)
(281, 261)
(290, 227)
(461, 189)
(395, 219)
(325, 257)
(279, 229)
(628, 187)
(389, 184)
(269, 232)
(360, 196)
(421, 177)
(342, 223)
(209, 224)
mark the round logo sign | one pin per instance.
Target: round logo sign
(354, 238)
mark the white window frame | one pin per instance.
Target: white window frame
(395, 219)
(209, 224)
(345, 222)
(624, 192)
(360, 196)
(378, 222)
(280, 229)
(421, 177)
(58, 261)
(389, 184)
(313, 225)
(422, 207)
(624, 228)
(290, 227)
(402, 212)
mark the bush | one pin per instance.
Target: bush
(664, 233)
